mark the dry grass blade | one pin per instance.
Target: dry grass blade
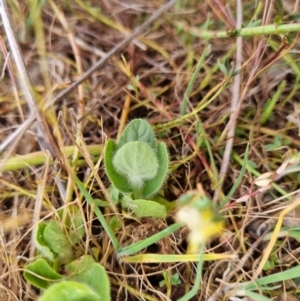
(225, 116)
(236, 101)
(87, 74)
(45, 135)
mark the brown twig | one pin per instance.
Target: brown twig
(234, 104)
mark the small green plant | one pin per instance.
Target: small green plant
(137, 167)
(79, 278)
(169, 279)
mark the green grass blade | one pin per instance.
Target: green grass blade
(271, 103)
(256, 296)
(243, 32)
(238, 180)
(201, 131)
(256, 173)
(98, 212)
(197, 282)
(287, 57)
(271, 279)
(138, 246)
(189, 89)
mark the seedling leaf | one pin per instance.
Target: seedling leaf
(40, 274)
(70, 291)
(146, 208)
(137, 162)
(138, 130)
(86, 270)
(151, 187)
(40, 243)
(137, 166)
(57, 241)
(118, 180)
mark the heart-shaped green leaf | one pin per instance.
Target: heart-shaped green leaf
(137, 166)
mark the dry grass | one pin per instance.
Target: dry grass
(69, 37)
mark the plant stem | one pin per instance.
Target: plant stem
(243, 32)
(39, 158)
(137, 194)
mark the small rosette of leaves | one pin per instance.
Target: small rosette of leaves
(137, 165)
(56, 239)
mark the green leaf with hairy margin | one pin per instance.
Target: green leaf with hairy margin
(57, 241)
(138, 130)
(70, 291)
(153, 186)
(86, 270)
(146, 208)
(40, 242)
(118, 180)
(137, 165)
(41, 274)
(137, 162)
